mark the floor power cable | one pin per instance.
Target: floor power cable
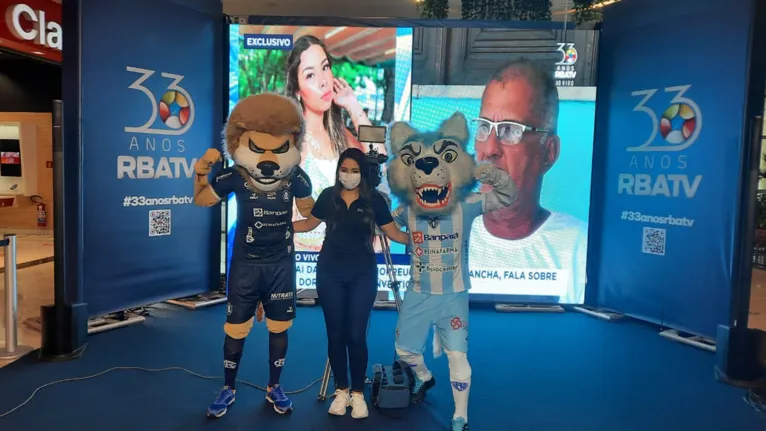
(149, 370)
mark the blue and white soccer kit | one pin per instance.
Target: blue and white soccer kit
(437, 292)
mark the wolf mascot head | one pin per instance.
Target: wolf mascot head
(431, 171)
(263, 135)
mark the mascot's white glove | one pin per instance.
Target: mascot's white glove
(486, 173)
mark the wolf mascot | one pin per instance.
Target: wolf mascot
(263, 137)
(432, 174)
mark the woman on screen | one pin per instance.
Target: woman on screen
(311, 83)
(347, 272)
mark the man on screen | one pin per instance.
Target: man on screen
(516, 131)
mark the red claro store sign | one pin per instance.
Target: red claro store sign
(32, 27)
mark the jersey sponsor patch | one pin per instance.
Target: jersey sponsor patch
(260, 212)
(441, 236)
(420, 251)
(423, 267)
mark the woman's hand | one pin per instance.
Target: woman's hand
(345, 97)
(394, 234)
(306, 225)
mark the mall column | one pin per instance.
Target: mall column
(65, 323)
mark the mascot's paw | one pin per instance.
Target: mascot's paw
(484, 173)
(259, 313)
(205, 163)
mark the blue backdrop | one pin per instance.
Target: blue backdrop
(151, 103)
(669, 133)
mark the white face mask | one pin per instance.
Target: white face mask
(349, 181)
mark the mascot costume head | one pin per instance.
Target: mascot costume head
(263, 136)
(431, 171)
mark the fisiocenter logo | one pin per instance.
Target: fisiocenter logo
(269, 41)
(175, 108)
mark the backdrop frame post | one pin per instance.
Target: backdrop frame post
(738, 362)
(64, 325)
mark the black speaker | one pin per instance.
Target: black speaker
(64, 332)
(741, 357)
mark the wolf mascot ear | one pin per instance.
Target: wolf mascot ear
(431, 171)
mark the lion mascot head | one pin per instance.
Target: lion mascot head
(263, 136)
(431, 171)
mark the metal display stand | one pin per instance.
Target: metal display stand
(12, 349)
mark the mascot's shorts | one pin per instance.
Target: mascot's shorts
(272, 284)
(419, 312)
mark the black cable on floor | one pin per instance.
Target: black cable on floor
(756, 398)
(149, 370)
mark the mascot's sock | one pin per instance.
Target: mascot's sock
(232, 353)
(460, 379)
(277, 353)
(416, 362)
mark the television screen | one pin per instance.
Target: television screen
(375, 66)
(529, 96)
(10, 158)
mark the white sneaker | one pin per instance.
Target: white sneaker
(340, 403)
(358, 406)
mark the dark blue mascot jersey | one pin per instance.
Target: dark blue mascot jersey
(264, 232)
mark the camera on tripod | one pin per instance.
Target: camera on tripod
(373, 135)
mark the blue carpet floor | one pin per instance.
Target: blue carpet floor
(555, 372)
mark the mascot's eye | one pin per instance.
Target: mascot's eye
(283, 148)
(254, 148)
(408, 159)
(449, 156)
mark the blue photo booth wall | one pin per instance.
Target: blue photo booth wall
(669, 140)
(150, 103)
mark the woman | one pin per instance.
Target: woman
(347, 273)
(311, 83)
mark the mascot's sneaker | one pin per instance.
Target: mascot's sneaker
(358, 406)
(276, 395)
(340, 403)
(222, 402)
(459, 424)
(420, 388)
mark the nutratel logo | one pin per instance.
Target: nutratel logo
(31, 25)
(269, 41)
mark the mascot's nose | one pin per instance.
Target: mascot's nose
(427, 164)
(267, 168)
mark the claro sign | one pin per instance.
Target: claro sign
(32, 27)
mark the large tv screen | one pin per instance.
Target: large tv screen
(534, 251)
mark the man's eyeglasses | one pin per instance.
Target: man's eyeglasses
(508, 132)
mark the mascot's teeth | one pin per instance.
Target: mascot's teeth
(433, 196)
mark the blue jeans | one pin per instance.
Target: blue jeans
(347, 295)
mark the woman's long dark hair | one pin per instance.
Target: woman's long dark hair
(333, 118)
(366, 192)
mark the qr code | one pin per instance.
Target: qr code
(654, 241)
(159, 222)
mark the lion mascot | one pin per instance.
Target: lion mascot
(263, 137)
(433, 176)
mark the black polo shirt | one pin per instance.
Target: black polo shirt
(349, 243)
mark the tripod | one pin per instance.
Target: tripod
(393, 284)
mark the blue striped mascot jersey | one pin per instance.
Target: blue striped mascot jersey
(438, 262)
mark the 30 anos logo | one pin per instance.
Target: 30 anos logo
(175, 108)
(568, 54)
(679, 126)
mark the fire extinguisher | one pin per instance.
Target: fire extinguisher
(42, 217)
